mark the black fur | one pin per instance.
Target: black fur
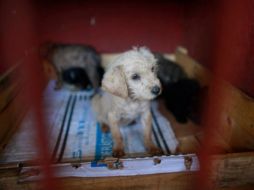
(181, 98)
(168, 71)
(181, 94)
(77, 77)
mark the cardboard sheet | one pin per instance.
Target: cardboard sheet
(74, 134)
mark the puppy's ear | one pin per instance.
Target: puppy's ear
(114, 82)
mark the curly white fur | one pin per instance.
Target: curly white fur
(127, 96)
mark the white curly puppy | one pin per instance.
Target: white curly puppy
(130, 83)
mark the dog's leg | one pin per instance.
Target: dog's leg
(146, 120)
(104, 128)
(118, 148)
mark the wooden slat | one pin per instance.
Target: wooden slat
(236, 123)
(233, 169)
(10, 102)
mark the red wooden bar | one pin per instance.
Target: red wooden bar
(232, 30)
(224, 45)
(20, 42)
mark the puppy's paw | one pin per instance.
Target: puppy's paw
(105, 128)
(155, 151)
(118, 152)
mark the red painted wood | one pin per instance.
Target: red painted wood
(218, 34)
(118, 25)
(19, 42)
(204, 21)
(230, 53)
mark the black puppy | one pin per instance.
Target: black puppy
(180, 93)
(182, 99)
(168, 71)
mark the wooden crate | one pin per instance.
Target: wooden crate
(232, 169)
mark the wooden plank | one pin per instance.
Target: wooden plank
(192, 67)
(177, 181)
(236, 123)
(10, 105)
(233, 169)
(159, 181)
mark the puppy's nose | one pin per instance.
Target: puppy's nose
(156, 90)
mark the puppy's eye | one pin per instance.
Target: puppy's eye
(135, 76)
(153, 69)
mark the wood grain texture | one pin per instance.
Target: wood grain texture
(236, 122)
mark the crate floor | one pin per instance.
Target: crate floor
(74, 134)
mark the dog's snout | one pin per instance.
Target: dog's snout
(156, 90)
